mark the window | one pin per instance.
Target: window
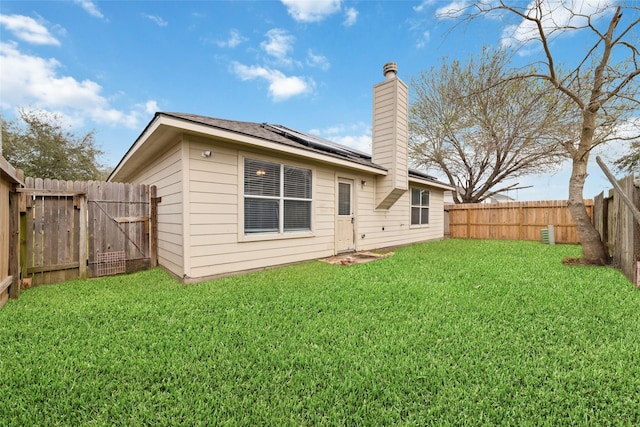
(419, 206)
(344, 198)
(277, 198)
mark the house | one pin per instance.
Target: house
(499, 198)
(496, 198)
(238, 196)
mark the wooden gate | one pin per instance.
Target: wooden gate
(72, 229)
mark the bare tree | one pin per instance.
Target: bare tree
(603, 86)
(480, 126)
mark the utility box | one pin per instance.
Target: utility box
(547, 235)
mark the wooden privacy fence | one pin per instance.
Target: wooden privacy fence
(618, 230)
(512, 220)
(10, 180)
(73, 229)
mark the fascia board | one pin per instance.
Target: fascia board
(430, 183)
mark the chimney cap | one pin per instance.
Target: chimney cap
(390, 69)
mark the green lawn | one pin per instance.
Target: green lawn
(447, 333)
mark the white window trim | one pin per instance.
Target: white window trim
(256, 237)
(411, 206)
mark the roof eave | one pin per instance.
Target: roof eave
(146, 133)
(189, 126)
(431, 183)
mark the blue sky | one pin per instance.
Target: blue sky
(308, 65)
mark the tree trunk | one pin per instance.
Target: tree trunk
(592, 246)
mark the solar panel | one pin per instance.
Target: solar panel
(318, 142)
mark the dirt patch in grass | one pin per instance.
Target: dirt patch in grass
(581, 261)
(355, 258)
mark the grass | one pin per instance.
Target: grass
(446, 333)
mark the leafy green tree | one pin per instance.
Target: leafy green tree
(631, 162)
(40, 146)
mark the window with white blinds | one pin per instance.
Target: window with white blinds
(419, 206)
(277, 198)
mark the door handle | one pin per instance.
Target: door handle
(353, 220)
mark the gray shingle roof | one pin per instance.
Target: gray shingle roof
(290, 137)
(278, 134)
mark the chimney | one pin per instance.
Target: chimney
(391, 136)
(390, 70)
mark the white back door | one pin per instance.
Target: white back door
(345, 221)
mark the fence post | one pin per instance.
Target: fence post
(82, 241)
(153, 226)
(14, 243)
(520, 223)
(23, 235)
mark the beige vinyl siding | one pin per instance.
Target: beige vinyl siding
(383, 147)
(390, 139)
(252, 255)
(391, 118)
(215, 192)
(396, 221)
(324, 205)
(402, 137)
(165, 172)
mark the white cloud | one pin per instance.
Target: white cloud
(556, 14)
(157, 19)
(358, 142)
(318, 61)
(354, 135)
(281, 87)
(28, 30)
(423, 40)
(130, 119)
(26, 79)
(311, 10)
(279, 44)
(351, 16)
(235, 38)
(90, 7)
(34, 81)
(452, 10)
(150, 107)
(423, 5)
